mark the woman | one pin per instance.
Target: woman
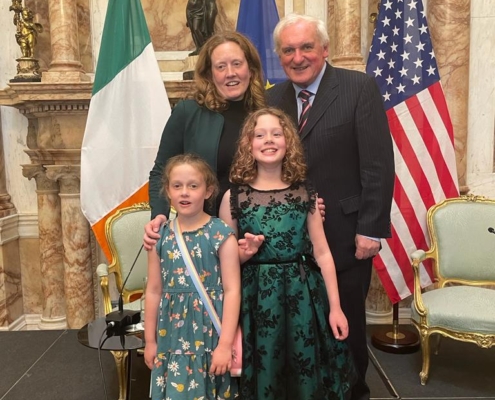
(229, 85)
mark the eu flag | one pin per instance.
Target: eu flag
(257, 20)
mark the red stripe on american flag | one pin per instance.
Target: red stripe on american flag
(430, 140)
(401, 257)
(436, 93)
(415, 227)
(387, 283)
(409, 156)
(412, 122)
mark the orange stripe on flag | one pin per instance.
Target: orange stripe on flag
(99, 227)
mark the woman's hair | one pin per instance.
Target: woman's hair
(293, 18)
(200, 165)
(206, 92)
(244, 168)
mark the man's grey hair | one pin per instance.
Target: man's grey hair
(294, 18)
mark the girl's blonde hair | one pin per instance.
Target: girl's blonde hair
(200, 165)
(244, 168)
(206, 92)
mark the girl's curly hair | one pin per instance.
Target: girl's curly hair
(244, 169)
(206, 93)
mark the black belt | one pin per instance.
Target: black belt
(305, 258)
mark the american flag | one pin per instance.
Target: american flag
(403, 62)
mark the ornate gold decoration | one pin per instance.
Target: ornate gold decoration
(28, 69)
(374, 16)
(121, 363)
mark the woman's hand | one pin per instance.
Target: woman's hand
(338, 323)
(221, 360)
(321, 207)
(151, 230)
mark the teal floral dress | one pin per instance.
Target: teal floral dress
(185, 333)
(289, 351)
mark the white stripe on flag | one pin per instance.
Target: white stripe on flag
(125, 121)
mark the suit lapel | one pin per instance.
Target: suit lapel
(288, 101)
(326, 95)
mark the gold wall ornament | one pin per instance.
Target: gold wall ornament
(28, 69)
(374, 16)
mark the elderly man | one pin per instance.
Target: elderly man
(345, 133)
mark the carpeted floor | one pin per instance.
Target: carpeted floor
(459, 371)
(52, 365)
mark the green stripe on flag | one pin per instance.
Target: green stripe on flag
(125, 36)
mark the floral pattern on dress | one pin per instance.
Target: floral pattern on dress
(185, 333)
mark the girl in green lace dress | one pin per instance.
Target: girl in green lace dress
(188, 359)
(293, 326)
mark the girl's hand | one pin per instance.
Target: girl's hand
(338, 323)
(251, 243)
(221, 360)
(150, 354)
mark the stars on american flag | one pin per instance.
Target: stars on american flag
(401, 55)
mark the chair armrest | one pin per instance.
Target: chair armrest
(418, 257)
(102, 272)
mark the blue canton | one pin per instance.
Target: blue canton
(401, 55)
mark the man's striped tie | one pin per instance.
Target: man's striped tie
(304, 95)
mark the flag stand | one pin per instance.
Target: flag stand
(395, 340)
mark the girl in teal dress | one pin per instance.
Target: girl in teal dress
(293, 326)
(189, 361)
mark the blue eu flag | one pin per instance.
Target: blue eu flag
(257, 20)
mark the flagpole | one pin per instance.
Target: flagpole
(394, 339)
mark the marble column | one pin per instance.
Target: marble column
(347, 40)
(449, 23)
(66, 64)
(51, 249)
(78, 275)
(6, 206)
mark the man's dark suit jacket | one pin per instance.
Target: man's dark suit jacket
(349, 155)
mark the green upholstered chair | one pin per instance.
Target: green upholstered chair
(460, 306)
(124, 232)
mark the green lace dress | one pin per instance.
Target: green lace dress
(185, 332)
(289, 351)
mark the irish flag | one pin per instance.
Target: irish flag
(128, 111)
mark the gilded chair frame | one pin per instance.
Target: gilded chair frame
(483, 340)
(115, 268)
